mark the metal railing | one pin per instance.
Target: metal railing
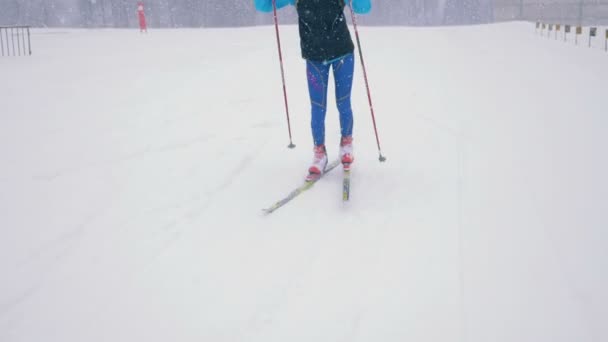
(15, 41)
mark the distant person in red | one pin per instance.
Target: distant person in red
(142, 17)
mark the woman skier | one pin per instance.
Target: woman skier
(325, 43)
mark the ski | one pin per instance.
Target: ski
(346, 186)
(297, 191)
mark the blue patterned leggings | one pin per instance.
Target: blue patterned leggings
(318, 76)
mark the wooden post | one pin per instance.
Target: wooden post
(13, 40)
(592, 33)
(29, 43)
(542, 30)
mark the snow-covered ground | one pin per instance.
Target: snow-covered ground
(134, 169)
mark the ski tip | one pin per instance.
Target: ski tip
(345, 196)
(346, 186)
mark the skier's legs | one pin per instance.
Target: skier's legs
(343, 77)
(317, 74)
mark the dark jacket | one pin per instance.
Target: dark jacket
(324, 35)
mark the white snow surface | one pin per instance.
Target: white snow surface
(134, 168)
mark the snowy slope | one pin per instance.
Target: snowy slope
(134, 168)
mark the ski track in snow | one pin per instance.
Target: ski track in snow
(130, 157)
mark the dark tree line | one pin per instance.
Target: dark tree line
(225, 13)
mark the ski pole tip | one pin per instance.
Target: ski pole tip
(291, 145)
(382, 158)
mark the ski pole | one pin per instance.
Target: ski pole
(369, 96)
(276, 26)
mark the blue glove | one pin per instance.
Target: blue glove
(266, 5)
(361, 6)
